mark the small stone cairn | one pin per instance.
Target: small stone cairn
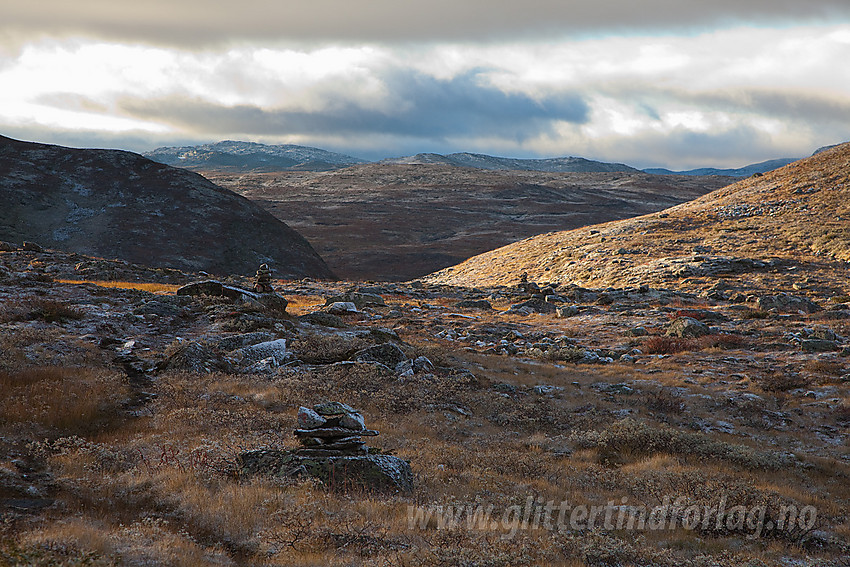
(263, 279)
(331, 429)
(333, 452)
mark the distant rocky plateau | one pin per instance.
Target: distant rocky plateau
(117, 204)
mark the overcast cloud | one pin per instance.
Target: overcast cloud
(679, 84)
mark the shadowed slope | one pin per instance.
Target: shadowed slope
(118, 204)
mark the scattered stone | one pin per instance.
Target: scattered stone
(567, 311)
(323, 319)
(234, 342)
(31, 247)
(637, 332)
(504, 388)
(607, 388)
(275, 349)
(7, 246)
(341, 308)
(473, 304)
(787, 304)
(360, 299)
(545, 389)
(215, 288)
(687, 327)
(387, 353)
(818, 345)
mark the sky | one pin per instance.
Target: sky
(669, 83)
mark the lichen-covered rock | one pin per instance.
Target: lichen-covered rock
(787, 303)
(386, 353)
(819, 345)
(309, 419)
(341, 308)
(254, 353)
(323, 319)
(687, 327)
(371, 472)
(333, 409)
(217, 289)
(234, 342)
(358, 298)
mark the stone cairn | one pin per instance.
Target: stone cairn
(332, 429)
(263, 279)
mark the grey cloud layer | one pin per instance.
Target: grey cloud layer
(421, 106)
(188, 22)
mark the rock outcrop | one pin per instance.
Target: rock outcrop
(117, 204)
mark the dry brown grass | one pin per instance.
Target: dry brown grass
(141, 286)
(64, 400)
(39, 309)
(781, 381)
(673, 345)
(666, 345)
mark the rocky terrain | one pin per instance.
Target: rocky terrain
(144, 421)
(671, 390)
(398, 222)
(118, 204)
(786, 230)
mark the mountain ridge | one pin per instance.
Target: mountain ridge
(746, 171)
(487, 162)
(797, 214)
(230, 154)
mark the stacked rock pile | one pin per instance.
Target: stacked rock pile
(332, 429)
(333, 452)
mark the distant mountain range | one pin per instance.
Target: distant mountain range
(481, 161)
(745, 171)
(250, 156)
(254, 157)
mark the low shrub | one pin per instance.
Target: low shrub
(721, 340)
(841, 414)
(781, 382)
(666, 345)
(39, 309)
(627, 439)
(68, 400)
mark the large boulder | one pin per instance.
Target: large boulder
(371, 472)
(214, 288)
(687, 328)
(787, 303)
(386, 353)
(275, 349)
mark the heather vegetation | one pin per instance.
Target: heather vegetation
(699, 417)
